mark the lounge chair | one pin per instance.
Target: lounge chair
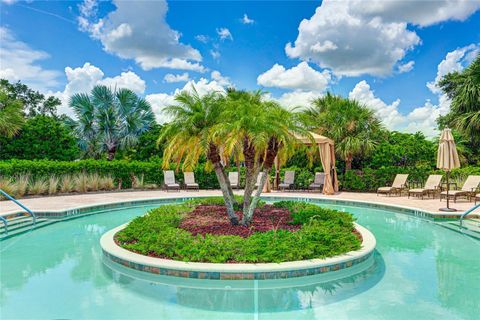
(189, 181)
(468, 190)
(169, 180)
(288, 181)
(318, 182)
(234, 179)
(432, 186)
(399, 184)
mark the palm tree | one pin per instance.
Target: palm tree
(11, 114)
(352, 126)
(190, 136)
(258, 130)
(463, 88)
(110, 119)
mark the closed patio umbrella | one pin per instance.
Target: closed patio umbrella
(447, 159)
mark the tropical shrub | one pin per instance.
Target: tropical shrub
(41, 137)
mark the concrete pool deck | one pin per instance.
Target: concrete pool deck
(68, 202)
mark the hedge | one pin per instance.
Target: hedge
(123, 170)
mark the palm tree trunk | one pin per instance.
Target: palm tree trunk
(272, 151)
(348, 162)
(111, 153)
(250, 175)
(224, 182)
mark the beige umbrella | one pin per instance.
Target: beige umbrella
(447, 159)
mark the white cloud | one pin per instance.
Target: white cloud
(19, 62)
(354, 37)
(455, 60)
(247, 20)
(422, 13)
(160, 100)
(83, 79)
(301, 77)
(138, 30)
(202, 38)
(419, 119)
(176, 77)
(215, 54)
(224, 34)
(298, 98)
(221, 80)
(406, 67)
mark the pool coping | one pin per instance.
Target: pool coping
(85, 209)
(236, 271)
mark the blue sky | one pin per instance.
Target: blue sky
(383, 53)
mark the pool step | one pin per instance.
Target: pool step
(470, 227)
(21, 224)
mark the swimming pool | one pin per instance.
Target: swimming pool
(420, 271)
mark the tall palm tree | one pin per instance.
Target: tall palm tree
(110, 119)
(11, 114)
(352, 126)
(463, 88)
(190, 135)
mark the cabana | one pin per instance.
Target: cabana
(327, 156)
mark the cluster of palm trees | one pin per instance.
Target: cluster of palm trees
(245, 126)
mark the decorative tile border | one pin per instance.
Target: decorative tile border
(240, 271)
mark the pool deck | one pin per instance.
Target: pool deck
(67, 202)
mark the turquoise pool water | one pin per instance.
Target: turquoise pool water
(421, 271)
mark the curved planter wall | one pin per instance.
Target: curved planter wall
(237, 271)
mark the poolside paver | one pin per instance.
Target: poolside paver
(79, 200)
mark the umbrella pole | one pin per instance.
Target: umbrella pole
(448, 209)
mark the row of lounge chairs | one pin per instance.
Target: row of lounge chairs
(432, 188)
(190, 184)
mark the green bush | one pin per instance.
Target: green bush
(41, 137)
(324, 233)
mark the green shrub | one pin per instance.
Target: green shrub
(324, 233)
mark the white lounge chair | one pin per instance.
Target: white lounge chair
(288, 181)
(189, 181)
(234, 179)
(468, 190)
(432, 186)
(318, 182)
(399, 184)
(169, 180)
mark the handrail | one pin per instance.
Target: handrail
(30, 212)
(468, 212)
(5, 222)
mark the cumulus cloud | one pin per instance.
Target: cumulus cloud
(354, 37)
(220, 79)
(83, 79)
(160, 100)
(455, 60)
(19, 62)
(224, 34)
(202, 38)
(300, 77)
(215, 54)
(297, 98)
(247, 20)
(406, 67)
(138, 30)
(176, 77)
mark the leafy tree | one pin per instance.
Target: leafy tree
(11, 115)
(34, 103)
(109, 120)
(147, 147)
(41, 137)
(354, 128)
(403, 149)
(463, 88)
(189, 136)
